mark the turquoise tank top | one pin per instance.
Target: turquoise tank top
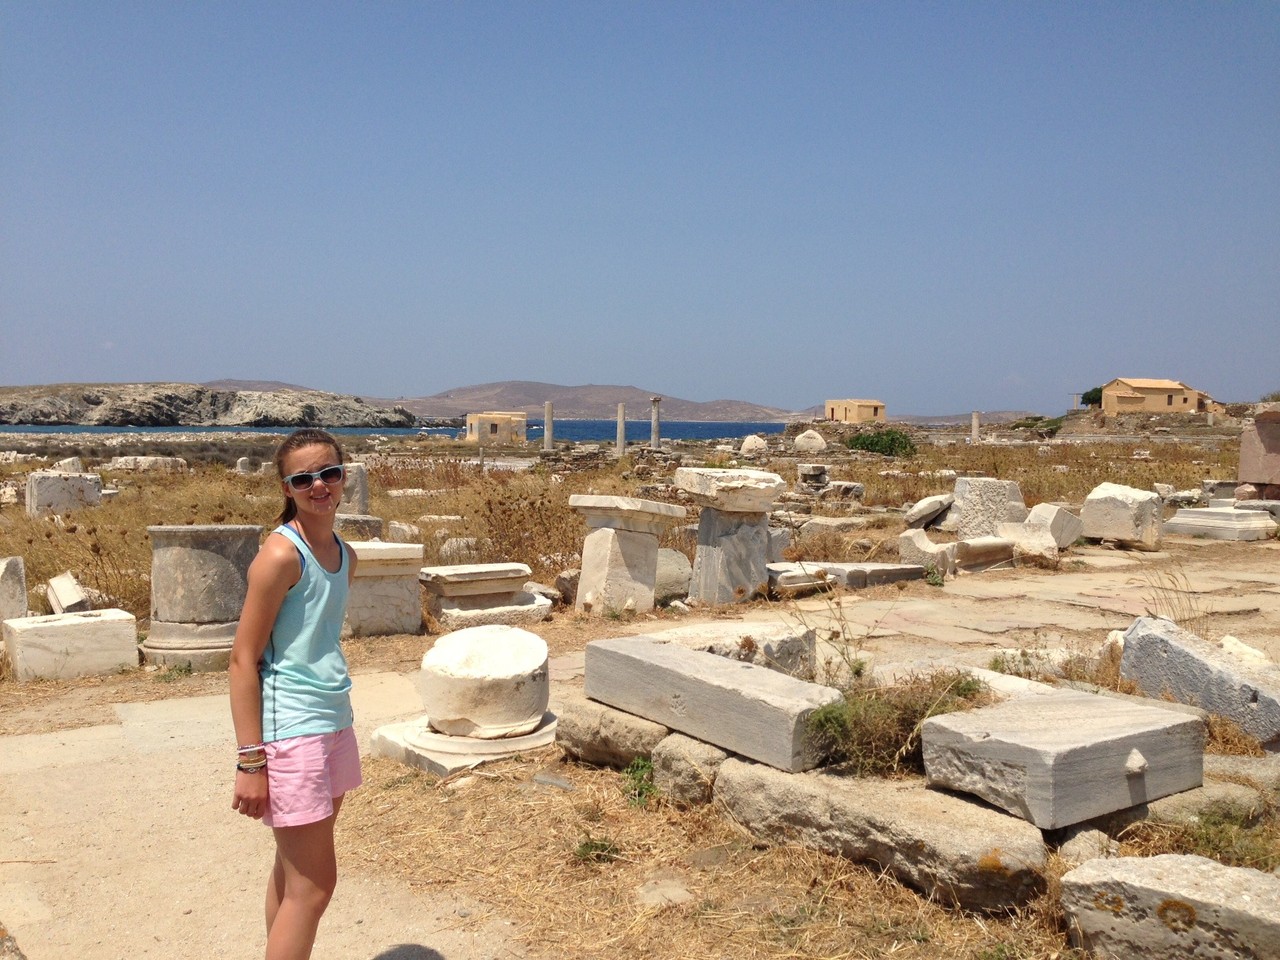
(306, 688)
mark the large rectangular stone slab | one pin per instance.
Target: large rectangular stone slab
(49, 491)
(1171, 907)
(1165, 660)
(952, 849)
(474, 579)
(94, 643)
(1066, 758)
(1221, 523)
(1134, 518)
(740, 707)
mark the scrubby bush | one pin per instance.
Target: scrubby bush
(889, 442)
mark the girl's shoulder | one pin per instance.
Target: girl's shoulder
(278, 555)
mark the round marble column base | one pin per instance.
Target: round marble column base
(203, 647)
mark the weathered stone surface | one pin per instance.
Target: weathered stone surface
(520, 609)
(200, 647)
(753, 446)
(914, 546)
(878, 574)
(488, 682)
(357, 526)
(779, 541)
(355, 491)
(794, 579)
(1264, 771)
(739, 707)
(811, 441)
(842, 490)
(788, 647)
(1065, 526)
(1066, 758)
(147, 464)
(1221, 524)
(982, 502)
(1260, 451)
(13, 588)
(1131, 517)
(732, 491)
(626, 513)
(200, 573)
(385, 596)
(832, 525)
(475, 579)
(69, 465)
(983, 553)
(952, 849)
(619, 572)
(66, 595)
(567, 583)
(1033, 544)
(1270, 506)
(595, 733)
(93, 643)
(1172, 907)
(925, 511)
(684, 769)
(398, 532)
(729, 565)
(52, 492)
(674, 573)
(1165, 660)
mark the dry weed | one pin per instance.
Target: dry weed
(567, 867)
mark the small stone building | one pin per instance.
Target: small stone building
(855, 411)
(496, 427)
(1132, 395)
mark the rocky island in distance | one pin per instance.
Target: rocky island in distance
(243, 403)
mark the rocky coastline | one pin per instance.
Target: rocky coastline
(190, 405)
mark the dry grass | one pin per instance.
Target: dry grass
(566, 867)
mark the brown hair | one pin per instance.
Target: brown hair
(306, 437)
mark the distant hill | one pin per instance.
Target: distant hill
(585, 402)
(259, 386)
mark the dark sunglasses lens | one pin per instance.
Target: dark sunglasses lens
(301, 481)
(331, 474)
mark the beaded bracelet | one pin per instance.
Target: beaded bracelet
(250, 748)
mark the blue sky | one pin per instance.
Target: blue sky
(945, 206)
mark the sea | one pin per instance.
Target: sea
(579, 431)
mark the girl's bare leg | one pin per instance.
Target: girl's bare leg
(301, 883)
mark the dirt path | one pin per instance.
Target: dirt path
(117, 840)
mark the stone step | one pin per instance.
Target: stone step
(740, 707)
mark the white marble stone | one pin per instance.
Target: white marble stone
(1172, 907)
(1065, 526)
(474, 579)
(1062, 759)
(1131, 517)
(62, 645)
(487, 682)
(740, 707)
(1163, 659)
(1221, 524)
(13, 588)
(731, 491)
(386, 596)
(626, 513)
(914, 546)
(51, 492)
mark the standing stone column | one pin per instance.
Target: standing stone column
(622, 429)
(655, 434)
(975, 422)
(620, 554)
(548, 427)
(730, 564)
(199, 576)
(355, 492)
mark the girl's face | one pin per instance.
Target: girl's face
(319, 497)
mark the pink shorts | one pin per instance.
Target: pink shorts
(305, 774)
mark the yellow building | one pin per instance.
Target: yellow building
(855, 411)
(1132, 395)
(496, 427)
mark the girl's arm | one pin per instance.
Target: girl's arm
(274, 570)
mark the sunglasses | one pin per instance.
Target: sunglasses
(304, 481)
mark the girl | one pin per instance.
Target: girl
(290, 691)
